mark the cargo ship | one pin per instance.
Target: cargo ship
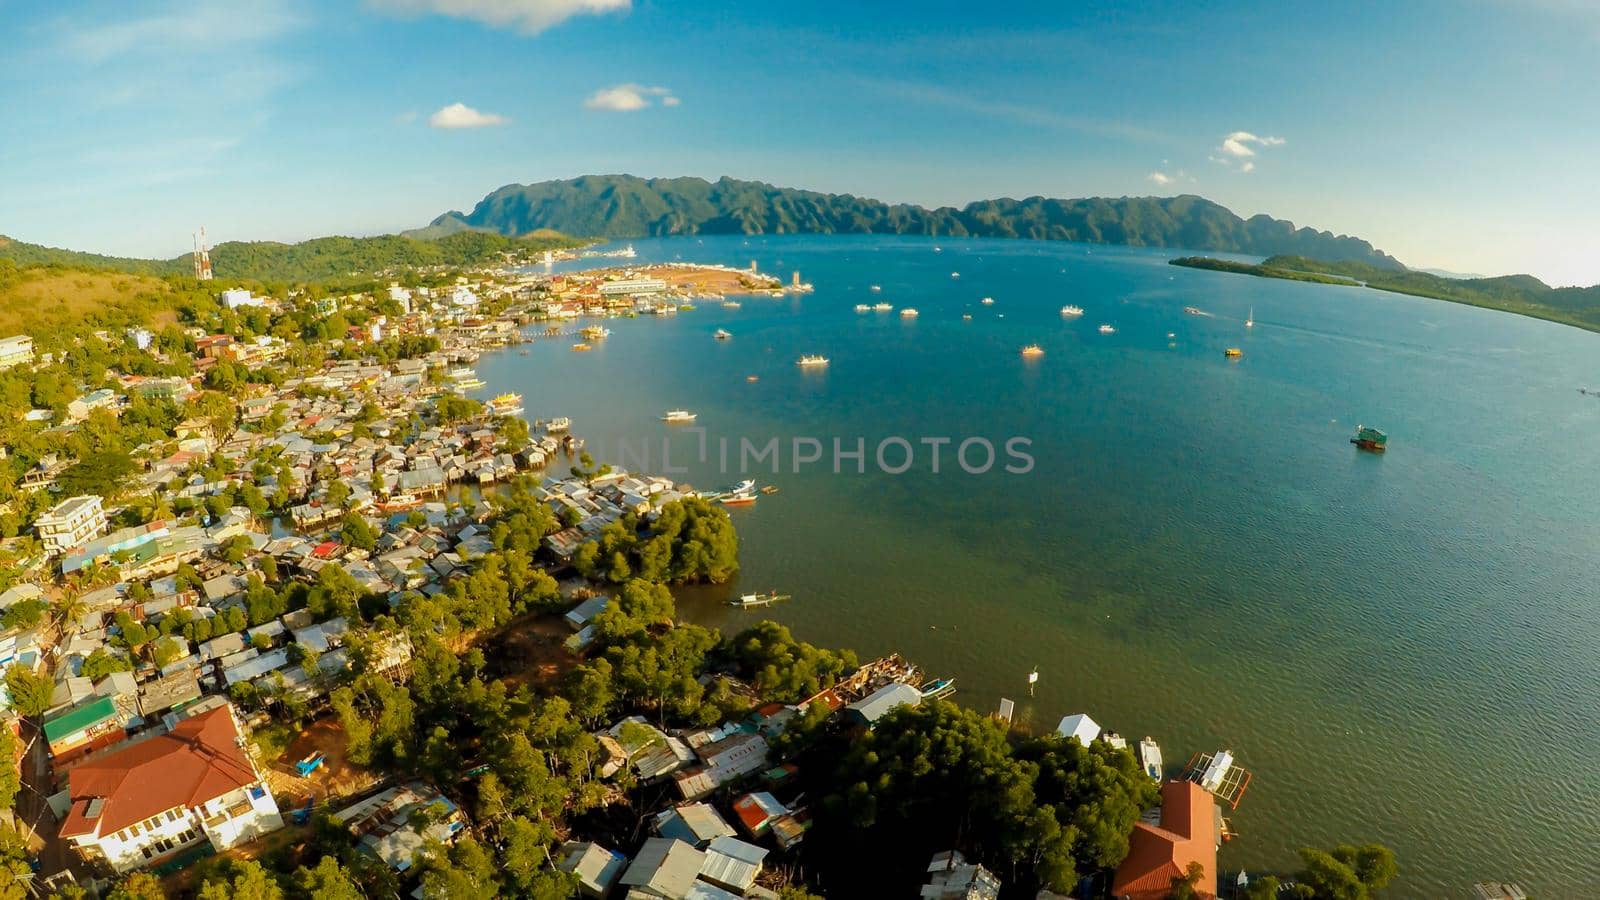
(1370, 439)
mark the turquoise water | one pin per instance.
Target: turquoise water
(1400, 648)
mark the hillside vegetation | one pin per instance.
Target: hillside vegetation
(318, 260)
(1521, 294)
(40, 299)
(618, 206)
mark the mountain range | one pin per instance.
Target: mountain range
(624, 206)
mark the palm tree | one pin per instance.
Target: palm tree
(69, 607)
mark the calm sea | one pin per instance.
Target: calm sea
(1400, 648)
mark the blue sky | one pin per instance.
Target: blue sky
(1453, 133)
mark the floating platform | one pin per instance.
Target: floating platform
(1229, 786)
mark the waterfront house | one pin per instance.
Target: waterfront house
(951, 877)
(596, 868)
(696, 824)
(382, 823)
(723, 762)
(584, 613)
(1157, 854)
(167, 793)
(867, 711)
(664, 869)
(732, 864)
(756, 812)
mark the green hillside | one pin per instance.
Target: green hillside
(1521, 294)
(617, 206)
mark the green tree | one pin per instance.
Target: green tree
(102, 662)
(10, 778)
(245, 880)
(138, 886)
(29, 692)
(356, 532)
(328, 881)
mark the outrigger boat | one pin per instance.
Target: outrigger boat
(938, 690)
(674, 416)
(751, 601)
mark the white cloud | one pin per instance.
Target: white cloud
(1160, 178)
(630, 98)
(1239, 150)
(460, 115)
(526, 16)
(1238, 143)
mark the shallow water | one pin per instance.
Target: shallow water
(1401, 648)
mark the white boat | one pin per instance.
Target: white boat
(731, 304)
(678, 415)
(862, 307)
(883, 307)
(988, 301)
(743, 487)
(1211, 779)
(875, 288)
(1150, 758)
(1107, 329)
(560, 423)
(908, 313)
(1072, 311)
(955, 274)
(722, 334)
(1251, 322)
(813, 359)
(595, 332)
(748, 601)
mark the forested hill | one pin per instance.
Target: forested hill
(317, 260)
(1521, 294)
(617, 206)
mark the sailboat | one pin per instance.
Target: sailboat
(1251, 322)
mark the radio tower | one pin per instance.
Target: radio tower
(202, 256)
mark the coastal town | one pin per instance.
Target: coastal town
(284, 604)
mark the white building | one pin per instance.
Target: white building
(162, 795)
(233, 298)
(72, 523)
(632, 286)
(1080, 726)
(15, 351)
(463, 296)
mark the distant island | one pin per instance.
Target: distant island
(1521, 294)
(624, 206)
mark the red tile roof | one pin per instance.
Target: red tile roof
(1157, 855)
(199, 760)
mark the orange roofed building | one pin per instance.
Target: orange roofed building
(162, 795)
(1159, 854)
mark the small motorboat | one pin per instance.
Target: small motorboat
(939, 689)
